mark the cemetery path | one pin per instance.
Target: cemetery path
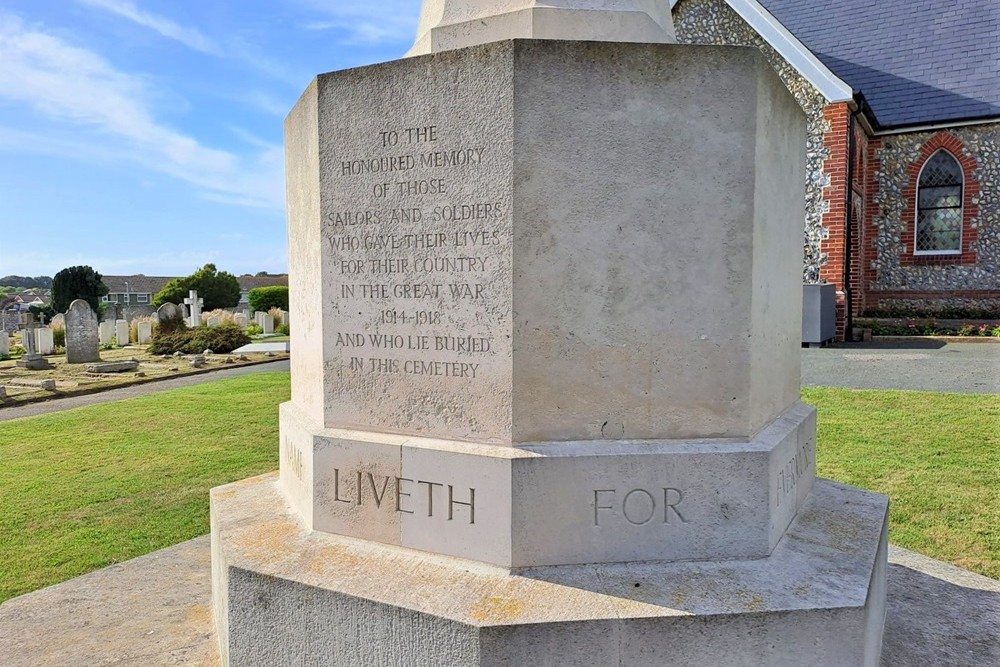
(58, 404)
(920, 364)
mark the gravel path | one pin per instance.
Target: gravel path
(57, 404)
(921, 364)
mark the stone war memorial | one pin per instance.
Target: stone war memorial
(546, 280)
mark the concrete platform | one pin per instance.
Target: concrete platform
(154, 610)
(280, 346)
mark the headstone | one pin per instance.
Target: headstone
(194, 305)
(285, 318)
(169, 311)
(58, 321)
(155, 316)
(242, 321)
(31, 360)
(267, 323)
(572, 357)
(44, 340)
(106, 332)
(121, 333)
(214, 321)
(144, 333)
(82, 340)
(4, 343)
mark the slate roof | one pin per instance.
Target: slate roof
(250, 282)
(914, 61)
(136, 284)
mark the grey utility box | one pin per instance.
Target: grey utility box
(819, 314)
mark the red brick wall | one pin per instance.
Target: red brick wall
(835, 195)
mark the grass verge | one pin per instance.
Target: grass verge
(89, 487)
(85, 488)
(937, 457)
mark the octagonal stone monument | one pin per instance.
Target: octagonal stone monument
(545, 389)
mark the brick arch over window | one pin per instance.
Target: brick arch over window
(970, 190)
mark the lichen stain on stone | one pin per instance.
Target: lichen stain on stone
(271, 537)
(332, 557)
(497, 610)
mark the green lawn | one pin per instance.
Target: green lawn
(98, 485)
(86, 488)
(937, 457)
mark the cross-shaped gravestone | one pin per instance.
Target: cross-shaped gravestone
(195, 304)
(41, 318)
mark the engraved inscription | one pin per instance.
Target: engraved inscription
(788, 476)
(638, 507)
(421, 245)
(408, 496)
(293, 459)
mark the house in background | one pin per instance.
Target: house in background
(132, 296)
(129, 297)
(903, 105)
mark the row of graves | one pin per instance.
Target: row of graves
(86, 336)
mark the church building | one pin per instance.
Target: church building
(903, 148)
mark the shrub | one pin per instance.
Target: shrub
(254, 329)
(221, 339)
(59, 336)
(283, 330)
(264, 299)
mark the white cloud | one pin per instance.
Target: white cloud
(190, 37)
(385, 22)
(77, 87)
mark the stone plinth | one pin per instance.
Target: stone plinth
(600, 259)
(545, 395)
(555, 503)
(818, 600)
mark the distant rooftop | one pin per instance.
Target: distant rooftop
(915, 61)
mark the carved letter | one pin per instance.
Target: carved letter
(598, 506)
(672, 505)
(471, 504)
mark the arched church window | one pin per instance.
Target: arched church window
(939, 206)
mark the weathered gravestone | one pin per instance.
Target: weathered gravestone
(58, 321)
(169, 311)
(194, 305)
(31, 360)
(144, 332)
(242, 321)
(4, 343)
(82, 342)
(266, 323)
(213, 321)
(547, 297)
(121, 333)
(44, 340)
(106, 332)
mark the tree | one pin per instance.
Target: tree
(26, 282)
(219, 289)
(265, 298)
(77, 282)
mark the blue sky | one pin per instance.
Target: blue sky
(145, 136)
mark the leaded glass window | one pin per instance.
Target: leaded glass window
(939, 206)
